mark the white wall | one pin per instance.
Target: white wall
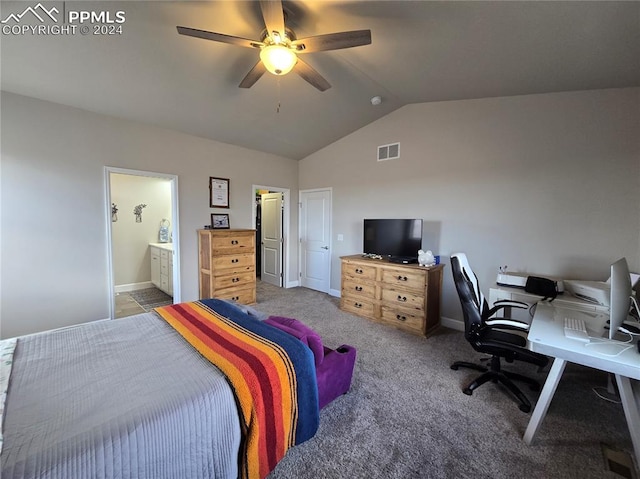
(130, 240)
(546, 184)
(54, 212)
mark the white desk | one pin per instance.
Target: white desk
(564, 300)
(546, 336)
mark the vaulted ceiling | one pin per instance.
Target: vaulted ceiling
(421, 51)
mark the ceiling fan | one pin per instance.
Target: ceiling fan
(279, 47)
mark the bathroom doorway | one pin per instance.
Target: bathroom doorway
(143, 240)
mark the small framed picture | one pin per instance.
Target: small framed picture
(218, 192)
(219, 221)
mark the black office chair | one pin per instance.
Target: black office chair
(490, 335)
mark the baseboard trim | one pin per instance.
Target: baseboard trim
(335, 293)
(451, 323)
(124, 288)
(292, 284)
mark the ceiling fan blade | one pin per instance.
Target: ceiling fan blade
(332, 41)
(219, 37)
(310, 75)
(253, 76)
(273, 17)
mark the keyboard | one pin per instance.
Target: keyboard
(575, 329)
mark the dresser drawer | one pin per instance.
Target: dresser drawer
(355, 270)
(403, 319)
(239, 295)
(404, 299)
(233, 243)
(231, 280)
(235, 262)
(357, 306)
(164, 282)
(404, 278)
(358, 289)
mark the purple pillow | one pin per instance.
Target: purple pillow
(301, 331)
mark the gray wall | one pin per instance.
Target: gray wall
(546, 184)
(54, 214)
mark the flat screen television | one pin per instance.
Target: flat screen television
(400, 238)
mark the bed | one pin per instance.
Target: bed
(132, 398)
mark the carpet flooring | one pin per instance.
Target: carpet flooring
(406, 416)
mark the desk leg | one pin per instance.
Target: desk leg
(630, 411)
(549, 389)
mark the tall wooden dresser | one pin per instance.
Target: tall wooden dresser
(227, 264)
(406, 296)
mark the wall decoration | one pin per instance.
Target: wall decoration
(114, 212)
(219, 221)
(218, 192)
(138, 212)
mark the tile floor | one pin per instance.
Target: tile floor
(126, 306)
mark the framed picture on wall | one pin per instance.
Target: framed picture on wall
(219, 221)
(218, 192)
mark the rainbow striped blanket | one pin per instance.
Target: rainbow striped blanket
(272, 375)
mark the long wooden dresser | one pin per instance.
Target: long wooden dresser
(406, 296)
(227, 264)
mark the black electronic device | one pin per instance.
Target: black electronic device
(403, 259)
(393, 238)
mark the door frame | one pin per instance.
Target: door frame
(108, 170)
(313, 190)
(286, 243)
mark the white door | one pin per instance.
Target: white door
(315, 239)
(271, 240)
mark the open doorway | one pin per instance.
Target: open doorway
(271, 222)
(143, 242)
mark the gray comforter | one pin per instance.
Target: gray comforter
(127, 398)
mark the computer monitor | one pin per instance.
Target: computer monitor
(620, 299)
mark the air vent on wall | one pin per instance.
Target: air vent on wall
(389, 152)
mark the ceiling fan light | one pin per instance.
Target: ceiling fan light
(278, 59)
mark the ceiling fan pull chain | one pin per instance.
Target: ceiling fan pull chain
(278, 109)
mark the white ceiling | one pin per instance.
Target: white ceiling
(421, 52)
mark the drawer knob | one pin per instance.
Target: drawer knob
(358, 305)
(401, 318)
(359, 271)
(235, 280)
(235, 298)
(402, 278)
(235, 260)
(234, 241)
(402, 299)
(358, 288)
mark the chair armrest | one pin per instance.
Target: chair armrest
(507, 324)
(511, 303)
(506, 303)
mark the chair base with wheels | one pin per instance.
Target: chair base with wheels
(496, 375)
